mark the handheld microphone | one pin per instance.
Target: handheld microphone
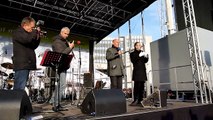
(5, 51)
(118, 49)
(128, 51)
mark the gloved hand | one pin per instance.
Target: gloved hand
(143, 54)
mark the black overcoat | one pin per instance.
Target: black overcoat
(24, 44)
(139, 68)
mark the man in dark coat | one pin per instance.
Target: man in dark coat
(61, 45)
(25, 40)
(138, 59)
(115, 64)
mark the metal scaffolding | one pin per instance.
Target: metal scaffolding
(93, 19)
(195, 52)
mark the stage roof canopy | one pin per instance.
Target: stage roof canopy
(93, 19)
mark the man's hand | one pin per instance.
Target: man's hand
(71, 45)
(38, 33)
(120, 52)
(38, 29)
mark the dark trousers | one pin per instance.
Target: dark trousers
(116, 82)
(138, 90)
(21, 78)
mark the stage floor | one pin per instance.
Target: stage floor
(74, 113)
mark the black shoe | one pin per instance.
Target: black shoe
(134, 103)
(62, 107)
(55, 109)
(59, 108)
(138, 104)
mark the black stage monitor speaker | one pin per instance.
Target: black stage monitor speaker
(156, 99)
(103, 102)
(14, 104)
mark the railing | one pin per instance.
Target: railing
(169, 83)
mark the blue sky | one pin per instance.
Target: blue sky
(151, 23)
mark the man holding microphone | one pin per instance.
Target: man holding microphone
(115, 64)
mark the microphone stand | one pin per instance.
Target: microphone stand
(2, 82)
(73, 92)
(79, 75)
(128, 51)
